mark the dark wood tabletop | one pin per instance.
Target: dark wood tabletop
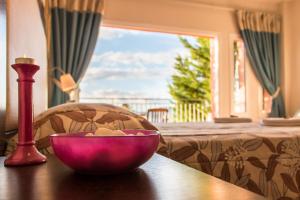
(159, 178)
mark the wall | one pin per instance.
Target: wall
(291, 58)
(191, 18)
(25, 36)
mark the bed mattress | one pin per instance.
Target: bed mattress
(265, 160)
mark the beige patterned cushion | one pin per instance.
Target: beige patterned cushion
(69, 118)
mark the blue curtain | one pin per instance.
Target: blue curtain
(72, 28)
(261, 35)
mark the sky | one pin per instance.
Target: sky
(131, 64)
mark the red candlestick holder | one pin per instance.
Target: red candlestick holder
(26, 152)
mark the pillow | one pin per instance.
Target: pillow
(4, 137)
(77, 117)
(297, 114)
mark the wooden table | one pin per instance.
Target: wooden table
(159, 178)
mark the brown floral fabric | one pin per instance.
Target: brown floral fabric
(69, 118)
(264, 160)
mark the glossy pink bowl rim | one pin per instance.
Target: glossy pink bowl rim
(81, 134)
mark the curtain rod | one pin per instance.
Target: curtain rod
(218, 7)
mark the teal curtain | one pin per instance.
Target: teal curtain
(261, 35)
(72, 28)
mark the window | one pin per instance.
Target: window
(239, 78)
(132, 64)
(135, 69)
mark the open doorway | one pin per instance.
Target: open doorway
(142, 70)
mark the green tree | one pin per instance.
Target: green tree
(191, 82)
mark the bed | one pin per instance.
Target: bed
(261, 159)
(265, 160)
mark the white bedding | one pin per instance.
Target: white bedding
(210, 128)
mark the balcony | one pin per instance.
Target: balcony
(176, 112)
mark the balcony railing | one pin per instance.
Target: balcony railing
(177, 112)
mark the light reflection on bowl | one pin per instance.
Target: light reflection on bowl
(105, 154)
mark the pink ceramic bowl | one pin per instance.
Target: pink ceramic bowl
(105, 154)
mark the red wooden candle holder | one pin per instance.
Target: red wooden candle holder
(26, 152)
